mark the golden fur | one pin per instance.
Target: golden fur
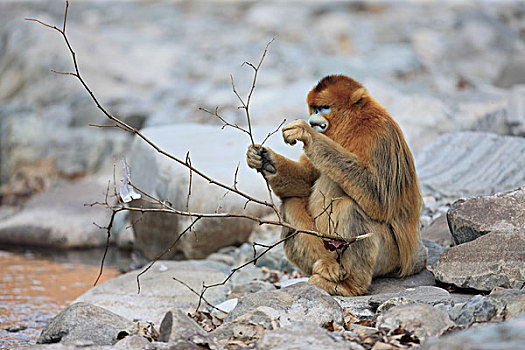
(356, 177)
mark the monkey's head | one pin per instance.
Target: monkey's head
(336, 100)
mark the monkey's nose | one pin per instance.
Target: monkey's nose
(318, 123)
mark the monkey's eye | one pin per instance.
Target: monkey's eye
(324, 109)
(320, 109)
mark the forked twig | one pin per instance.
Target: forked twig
(199, 295)
(164, 252)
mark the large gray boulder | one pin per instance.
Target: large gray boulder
(159, 293)
(493, 260)
(215, 152)
(60, 218)
(84, 324)
(471, 218)
(27, 137)
(470, 163)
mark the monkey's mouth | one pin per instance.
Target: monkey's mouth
(318, 123)
(319, 127)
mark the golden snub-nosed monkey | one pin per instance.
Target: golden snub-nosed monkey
(356, 176)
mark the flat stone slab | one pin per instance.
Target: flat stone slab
(385, 288)
(159, 292)
(305, 335)
(59, 217)
(424, 294)
(391, 284)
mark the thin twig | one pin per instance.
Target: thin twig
(233, 271)
(226, 123)
(256, 72)
(235, 176)
(108, 230)
(199, 295)
(164, 252)
(273, 132)
(134, 130)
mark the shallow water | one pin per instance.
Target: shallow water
(36, 285)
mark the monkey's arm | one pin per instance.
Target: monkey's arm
(286, 177)
(361, 181)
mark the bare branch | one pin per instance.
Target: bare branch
(235, 176)
(226, 123)
(44, 24)
(65, 17)
(199, 295)
(273, 132)
(249, 64)
(164, 252)
(63, 73)
(233, 271)
(108, 237)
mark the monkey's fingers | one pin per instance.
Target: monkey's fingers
(253, 158)
(290, 137)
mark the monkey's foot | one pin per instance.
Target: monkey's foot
(344, 288)
(330, 269)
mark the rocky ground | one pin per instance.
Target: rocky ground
(452, 75)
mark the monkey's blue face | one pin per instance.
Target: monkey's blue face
(318, 119)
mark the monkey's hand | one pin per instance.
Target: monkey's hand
(298, 130)
(261, 159)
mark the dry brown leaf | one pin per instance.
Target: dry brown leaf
(366, 323)
(349, 318)
(271, 275)
(333, 327)
(206, 320)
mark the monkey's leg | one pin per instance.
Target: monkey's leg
(349, 275)
(302, 249)
(348, 271)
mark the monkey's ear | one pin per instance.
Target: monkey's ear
(357, 96)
